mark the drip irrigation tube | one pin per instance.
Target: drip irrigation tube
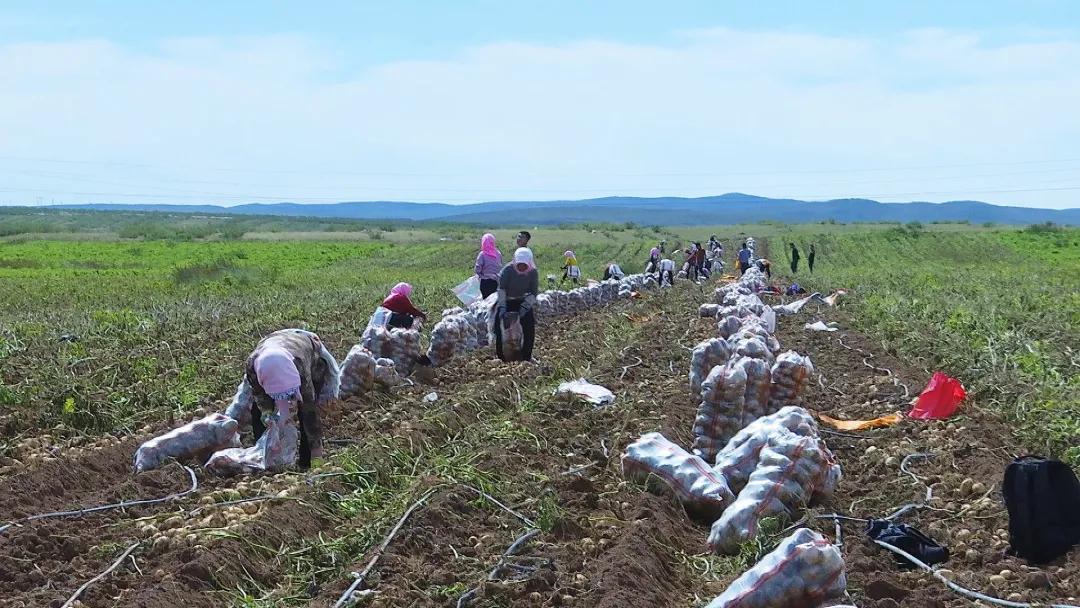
(119, 505)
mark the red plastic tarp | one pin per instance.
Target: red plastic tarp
(939, 399)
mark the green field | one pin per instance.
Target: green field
(163, 323)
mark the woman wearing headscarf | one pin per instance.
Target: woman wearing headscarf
(571, 270)
(519, 283)
(288, 377)
(653, 265)
(402, 312)
(613, 271)
(488, 264)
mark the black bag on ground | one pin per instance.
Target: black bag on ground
(1043, 499)
(911, 540)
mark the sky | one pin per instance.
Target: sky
(236, 102)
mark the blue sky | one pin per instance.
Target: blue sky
(233, 102)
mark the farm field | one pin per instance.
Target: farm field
(158, 331)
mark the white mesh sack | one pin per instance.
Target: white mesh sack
(357, 372)
(275, 450)
(401, 345)
(708, 310)
(792, 472)
(447, 339)
(195, 440)
(804, 571)
(739, 457)
(705, 356)
(702, 491)
(386, 373)
(790, 376)
(754, 347)
(732, 396)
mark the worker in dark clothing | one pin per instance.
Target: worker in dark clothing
(519, 284)
(744, 259)
(402, 312)
(794, 259)
(810, 258)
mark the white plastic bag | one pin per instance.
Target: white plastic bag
(804, 571)
(821, 326)
(702, 491)
(194, 440)
(275, 450)
(468, 291)
(591, 393)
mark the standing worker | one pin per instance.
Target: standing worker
(699, 261)
(291, 375)
(744, 259)
(488, 265)
(519, 282)
(523, 238)
(402, 312)
(653, 265)
(667, 272)
(794, 259)
(571, 270)
(810, 259)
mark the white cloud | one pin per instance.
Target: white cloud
(276, 116)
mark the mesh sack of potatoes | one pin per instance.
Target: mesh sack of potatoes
(195, 440)
(728, 325)
(790, 376)
(804, 571)
(708, 310)
(239, 409)
(705, 356)
(722, 392)
(512, 339)
(575, 301)
(753, 302)
(545, 306)
(755, 328)
(754, 347)
(386, 373)
(653, 459)
(401, 345)
(357, 372)
(275, 450)
(738, 459)
(792, 472)
(741, 312)
(446, 339)
(728, 295)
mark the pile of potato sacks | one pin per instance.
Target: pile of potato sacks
(756, 454)
(362, 370)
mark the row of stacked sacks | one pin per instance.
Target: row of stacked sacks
(757, 454)
(557, 303)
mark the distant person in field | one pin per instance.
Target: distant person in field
(794, 259)
(488, 265)
(653, 265)
(662, 246)
(714, 245)
(744, 259)
(612, 271)
(667, 272)
(291, 375)
(699, 260)
(519, 283)
(810, 258)
(402, 312)
(523, 238)
(571, 269)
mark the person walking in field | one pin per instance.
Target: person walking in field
(402, 312)
(794, 259)
(291, 375)
(488, 265)
(571, 270)
(519, 283)
(810, 259)
(744, 259)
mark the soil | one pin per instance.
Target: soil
(604, 541)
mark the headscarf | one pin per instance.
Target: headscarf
(401, 289)
(570, 257)
(487, 246)
(654, 252)
(524, 255)
(277, 374)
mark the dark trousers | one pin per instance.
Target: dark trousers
(810, 263)
(794, 265)
(666, 278)
(488, 287)
(742, 268)
(528, 330)
(258, 428)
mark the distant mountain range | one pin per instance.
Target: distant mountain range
(730, 208)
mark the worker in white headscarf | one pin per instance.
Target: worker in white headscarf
(519, 284)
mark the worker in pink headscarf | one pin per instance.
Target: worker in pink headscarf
(488, 265)
(289, 376)
(402, 312)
